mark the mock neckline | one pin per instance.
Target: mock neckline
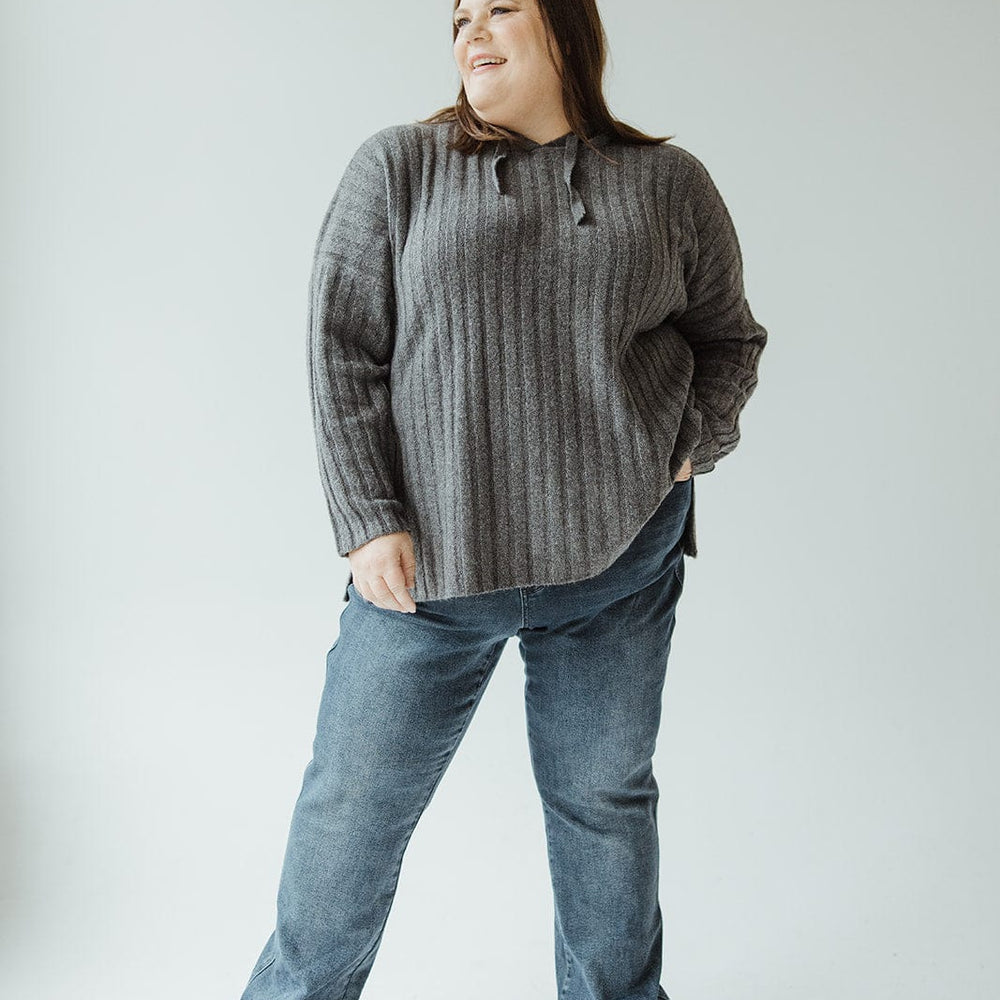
(598, 138)
(551, 144)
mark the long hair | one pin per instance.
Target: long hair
(576, 29)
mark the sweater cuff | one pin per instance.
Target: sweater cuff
(355, 525)
(705, 453)
(704, 456)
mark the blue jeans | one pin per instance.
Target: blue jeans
(399, 694)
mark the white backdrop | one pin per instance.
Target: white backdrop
(827, 759)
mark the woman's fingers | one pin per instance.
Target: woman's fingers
(383, 569)
(389, 591)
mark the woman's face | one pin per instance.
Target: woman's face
(525, 88)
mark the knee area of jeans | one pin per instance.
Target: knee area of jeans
(599, 784)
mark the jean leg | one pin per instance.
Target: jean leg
(399, 693)
(593, 695)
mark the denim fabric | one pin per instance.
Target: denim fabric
(400, 692)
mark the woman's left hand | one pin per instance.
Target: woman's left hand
(685, 471)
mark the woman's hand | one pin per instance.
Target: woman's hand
(383, 570)
(685, 471)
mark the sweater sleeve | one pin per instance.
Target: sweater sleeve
(717, 322)
(350, 344)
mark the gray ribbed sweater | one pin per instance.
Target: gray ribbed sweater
(511, 354)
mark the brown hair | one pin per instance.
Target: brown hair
(576, 27)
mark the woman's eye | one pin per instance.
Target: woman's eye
(461, 20)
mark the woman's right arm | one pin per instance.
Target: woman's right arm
(350, 345)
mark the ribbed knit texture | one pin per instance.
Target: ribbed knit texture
(512, 353)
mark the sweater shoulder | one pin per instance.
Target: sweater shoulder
(404, 139)
(684, 180)
(679, 164)
(397, 154)
(676, 154)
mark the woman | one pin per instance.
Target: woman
(527, 331)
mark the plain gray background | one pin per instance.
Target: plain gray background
(827, 759)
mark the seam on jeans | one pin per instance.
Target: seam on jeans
(562, 937)
(263, 968)
(569, 970)
(485, 673)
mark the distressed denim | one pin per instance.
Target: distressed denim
(399, 694)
